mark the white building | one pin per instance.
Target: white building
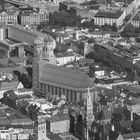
(33, 18)
(12, 84)
(9, 17)
(69, 56)
(13, 134)
(109, 16)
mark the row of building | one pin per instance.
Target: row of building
(28, 16)
(102, 15)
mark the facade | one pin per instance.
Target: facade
(109, 16)
(2, 32)
(11, 85)
(58, 124)
(69, 56)
(42, 128)
(136, 20)
(9, 17)
(33, 18)
(51, 79)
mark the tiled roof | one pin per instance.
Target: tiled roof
(19, 121)
(109, 14)
(64, 76)
(9, 85)
(54, 137)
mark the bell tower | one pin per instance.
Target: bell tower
(38, 57)
(89, 113)
(49, 46)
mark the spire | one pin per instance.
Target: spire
(89, 104)
(89, 112)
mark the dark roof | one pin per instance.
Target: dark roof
(91, 40)
(109, 14)
(9, 85)
(94, 7)
(58, 118)
(137, 17)
(85, 60)
(64, 76)
(130, 88)
(54, 137)
(131, 135)
(21, 121)
(126, 124)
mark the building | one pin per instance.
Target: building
(2, 32)
(16, 128)
(9, 16)
(20, 34)
(8, 82)
(80, 11)
(112, 51)
(33, 18)
(68, 56)
(58, 124)
(42, 128)
(136, 20)
(107, 77)
(66, 5)
(132, 136)
(132, 6)
(55, 124)
(51, 79)
(110, 15)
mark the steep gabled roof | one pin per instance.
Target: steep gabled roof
(65, 77)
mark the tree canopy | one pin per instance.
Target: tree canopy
(64, 19)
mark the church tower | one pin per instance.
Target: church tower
(89, 113)
(42, 128)
(38, 57)
(49, 46)
(43, 53)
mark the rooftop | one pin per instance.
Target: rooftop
(131, 135)
(109, 13)
(130, 88)
(66, 77)
(57, 118)
(136, 17)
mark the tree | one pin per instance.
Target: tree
(130, 31)
(64, 19)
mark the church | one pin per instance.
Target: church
(50, 79)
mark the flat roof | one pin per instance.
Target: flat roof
(109, 13)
